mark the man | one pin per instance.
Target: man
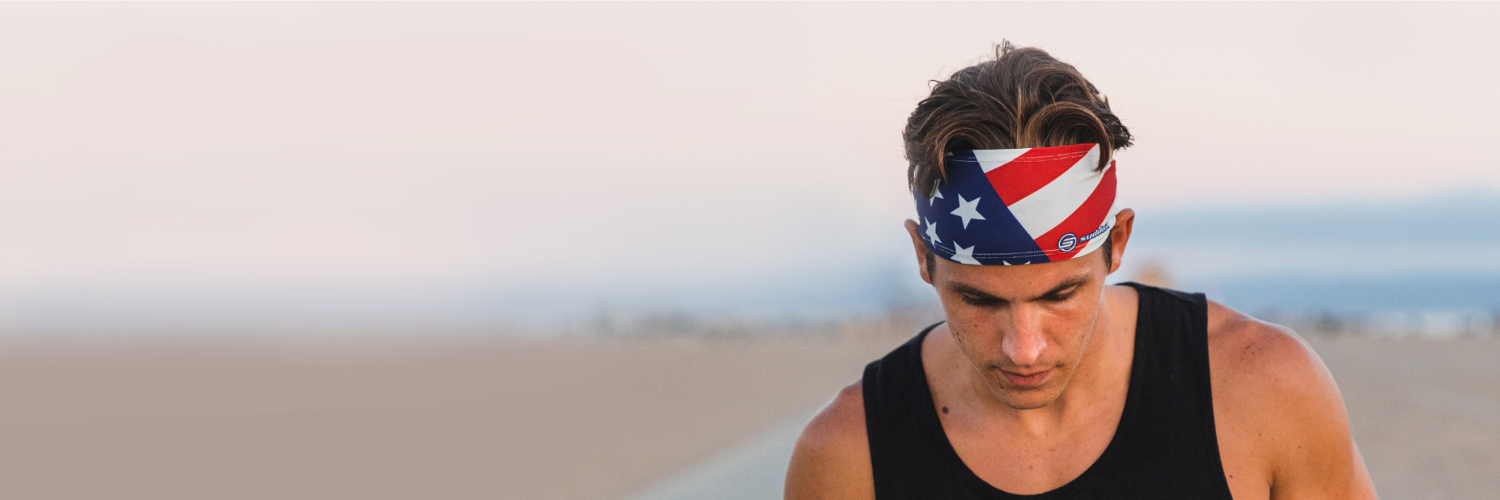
(1043, 380)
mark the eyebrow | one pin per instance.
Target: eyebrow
(966, 288)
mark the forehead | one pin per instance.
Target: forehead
(1019, 282)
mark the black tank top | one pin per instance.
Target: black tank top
(1163, 448)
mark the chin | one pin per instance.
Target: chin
(1028, 399)
(1029, 402)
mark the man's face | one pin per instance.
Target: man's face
(1024, 328)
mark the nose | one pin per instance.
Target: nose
(1024, 343)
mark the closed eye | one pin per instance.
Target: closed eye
(1059, 297)
(981, 301)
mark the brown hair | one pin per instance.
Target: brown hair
(1024, 98)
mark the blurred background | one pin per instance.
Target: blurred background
(624, 250)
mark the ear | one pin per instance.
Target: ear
(1119, 236)
(921, 249)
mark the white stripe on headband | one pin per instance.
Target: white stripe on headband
(1019, 206)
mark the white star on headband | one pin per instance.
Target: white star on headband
(931, 231)
(937, 194)
(968, 210)
(964, 255)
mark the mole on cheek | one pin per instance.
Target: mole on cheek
(945, 410)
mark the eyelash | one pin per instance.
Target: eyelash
(978, 302)
(973, 301)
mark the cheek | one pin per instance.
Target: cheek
(1071, 325)
(1071, 315)
(980, 347)
(971, 320)
(972, 327)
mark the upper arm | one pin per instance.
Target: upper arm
(1282, 403)
(831, 460)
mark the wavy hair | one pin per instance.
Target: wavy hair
(1023, 98)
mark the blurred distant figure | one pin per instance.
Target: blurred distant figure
(1154, 273)
(1043, 380)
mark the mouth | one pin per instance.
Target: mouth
(1026, 380)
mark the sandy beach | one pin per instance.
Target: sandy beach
(1425, 413)
(571, 419)
(397, 419)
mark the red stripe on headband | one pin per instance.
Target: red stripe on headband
(1034, 169)
(1088, 218)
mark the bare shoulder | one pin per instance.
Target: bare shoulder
(832, 458)
(1245, 350)
(1281, 420)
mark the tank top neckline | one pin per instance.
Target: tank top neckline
(1127, 416)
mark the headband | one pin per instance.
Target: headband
(1019, 206)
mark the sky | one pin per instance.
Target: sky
(338, 160)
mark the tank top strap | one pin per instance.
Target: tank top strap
(1174, 409)
(899, 422)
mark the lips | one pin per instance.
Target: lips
(1026, 380)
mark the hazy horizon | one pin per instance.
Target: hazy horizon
(1287, 258)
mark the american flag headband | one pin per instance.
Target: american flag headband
(1000, 207)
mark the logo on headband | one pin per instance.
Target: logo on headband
(1067, 242)
(1019, 206)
